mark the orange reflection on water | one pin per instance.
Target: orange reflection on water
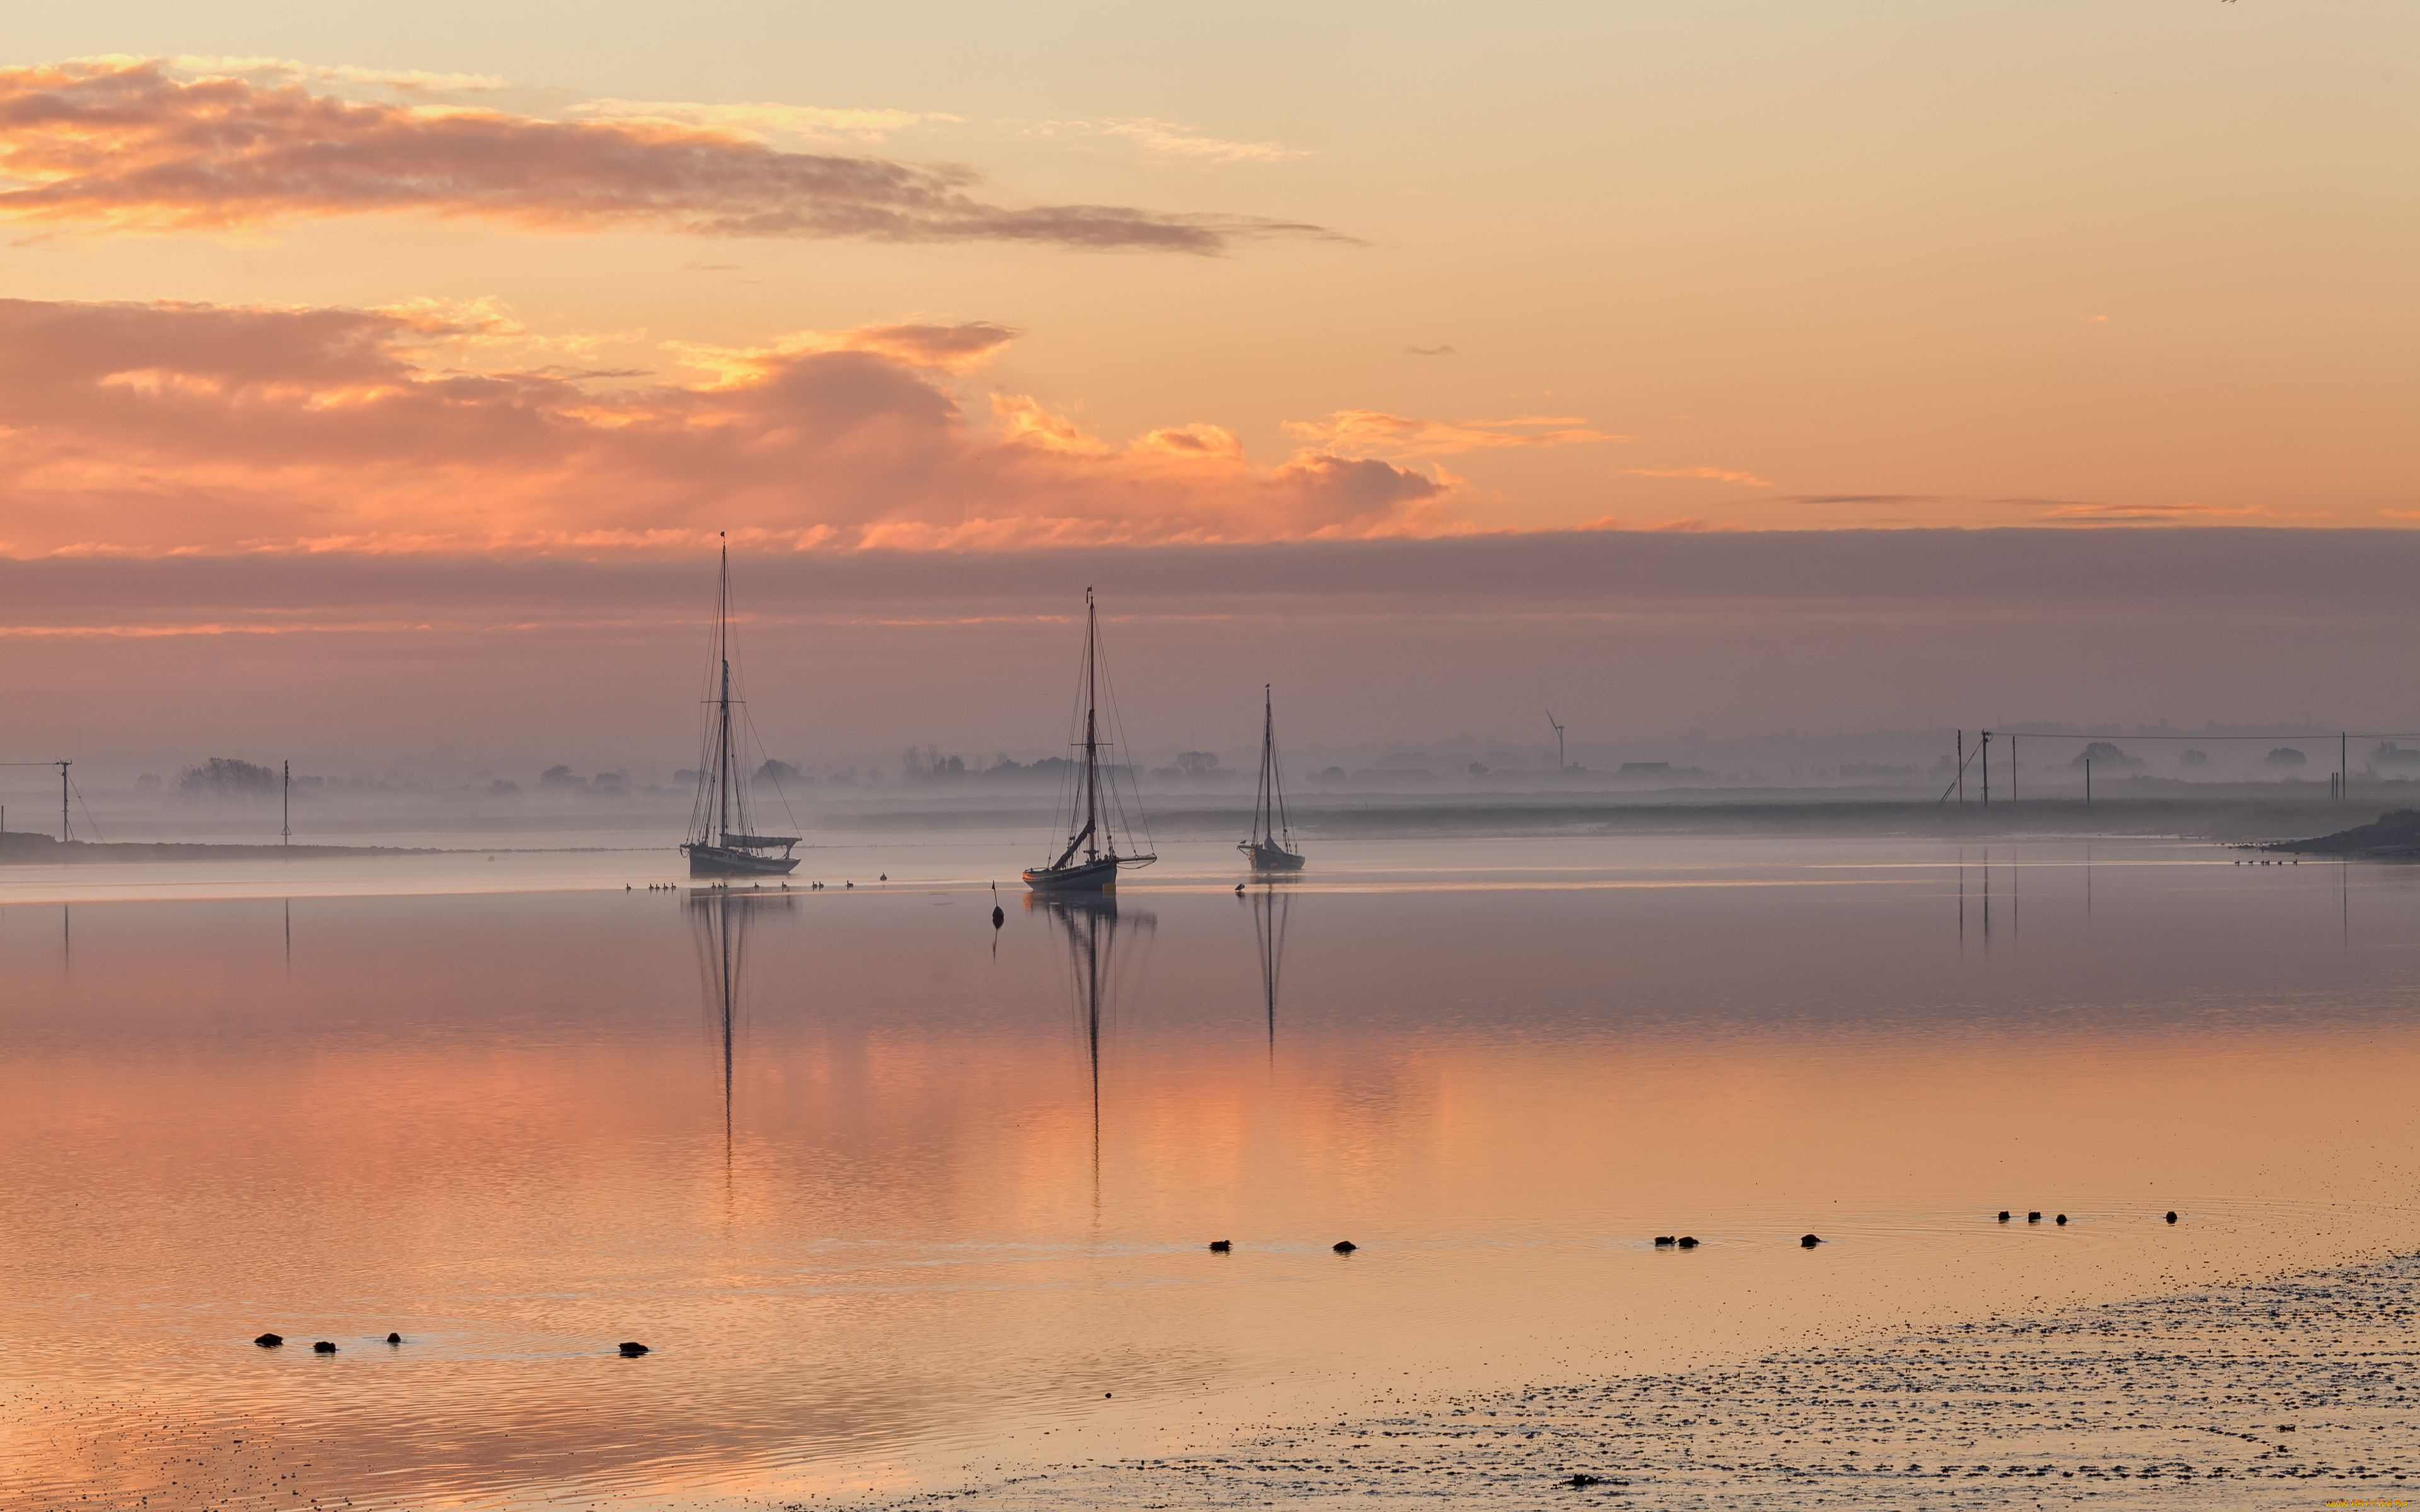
(894, 1247)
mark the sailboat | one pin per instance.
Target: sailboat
(1271, 846)
(1089, 827)
(721, 842)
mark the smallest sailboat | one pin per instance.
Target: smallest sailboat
(1271, 845)
(721, 842)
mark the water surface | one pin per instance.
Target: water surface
(898, 1199)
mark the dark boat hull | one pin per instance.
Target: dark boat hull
(1270, 858)
(1082, 876)
(721, 862)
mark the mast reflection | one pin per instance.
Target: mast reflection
(718, 919)
(1090, 925)
(1270, 911)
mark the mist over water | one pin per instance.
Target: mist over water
(898, 1199)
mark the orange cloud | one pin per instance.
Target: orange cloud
(1169, 140)
(124, 145)
(1685, 526)
(154, 428)
(1375, 433)
(1746, 480)
(2186, 514)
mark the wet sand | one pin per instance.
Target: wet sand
(2291, 1392)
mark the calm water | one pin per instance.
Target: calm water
(898, 1199)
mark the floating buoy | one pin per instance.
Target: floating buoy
(2172, 1215)
(1687, 1242)
(1346, 1246)
(998, 915)
(2062, 1220)
(1221, 1247)
(394, 1338)
(631, 1350)
(2033, 1217)
(1239, 890)
(269, 1341)
(2004, 1216)
(1664, 1242)
(1807, 1241)
(324, 1347)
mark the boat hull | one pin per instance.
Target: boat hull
(1084, 876)
(721, 862)
(1270, 858)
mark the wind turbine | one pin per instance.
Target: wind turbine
(1560, 766)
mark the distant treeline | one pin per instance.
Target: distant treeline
(227, 778)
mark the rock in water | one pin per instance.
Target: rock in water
(1582, 1479)
(394, 1338)
(269, 1341)
(1221, 1246)
(1346, 1246)
(1807, 1241)
(631, 1350)
(324, 1347)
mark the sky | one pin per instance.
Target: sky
(530, 294)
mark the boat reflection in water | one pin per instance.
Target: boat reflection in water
(1091, 926)
(1270, 909)
(718, 919)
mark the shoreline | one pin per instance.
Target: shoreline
(2281, 1392)
(2277, 824)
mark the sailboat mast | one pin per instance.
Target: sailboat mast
(1092, 742)
(722, 725)
(1261, 827)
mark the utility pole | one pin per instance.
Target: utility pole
(1987, 768)
(1962, 766)
(65, 833)
(286, 803)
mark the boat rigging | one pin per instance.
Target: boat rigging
(722, 841)
(1271, 845)
(1096, 801)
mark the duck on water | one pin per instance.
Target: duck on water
(1089, 861)
(722, 842)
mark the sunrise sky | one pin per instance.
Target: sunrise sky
(300, 290)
